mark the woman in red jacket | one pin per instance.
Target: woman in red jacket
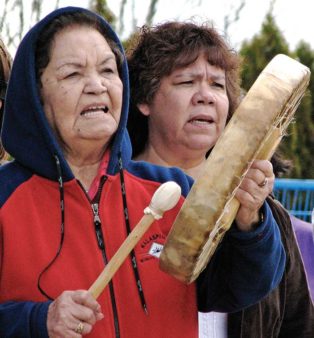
(72, 195)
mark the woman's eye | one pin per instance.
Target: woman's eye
(219, 85)
(108, 70)
(187, 82)
(73, 74)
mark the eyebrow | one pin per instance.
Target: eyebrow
(78, 64)
(108, 58)
(197, 74)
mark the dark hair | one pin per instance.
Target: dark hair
(5, 69)
(281, 166)
(46, 38)
(156, 52)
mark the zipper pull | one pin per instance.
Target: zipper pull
(97, 223)
(96, 213)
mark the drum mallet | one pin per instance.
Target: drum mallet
(164, 198)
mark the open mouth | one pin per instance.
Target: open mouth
(93, 111)
(201, 121)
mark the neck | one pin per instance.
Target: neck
(85, 166)
(196, 171)
(191, 166)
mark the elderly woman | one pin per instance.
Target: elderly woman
(184, 89)
(72, 194)
(5, 68)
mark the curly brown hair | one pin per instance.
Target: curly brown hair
(155, 52)
(5, 69)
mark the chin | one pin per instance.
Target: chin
(97, 136)
(201, 145)
(103, 132)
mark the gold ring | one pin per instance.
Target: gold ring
(263, 183)
(80, 327)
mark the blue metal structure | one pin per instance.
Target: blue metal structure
(296, 195)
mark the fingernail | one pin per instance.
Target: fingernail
(100, 316)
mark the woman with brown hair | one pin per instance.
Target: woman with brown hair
(184, 81)
(5, 68)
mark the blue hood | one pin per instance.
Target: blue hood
(26, 133)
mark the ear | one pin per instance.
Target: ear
(144, 109)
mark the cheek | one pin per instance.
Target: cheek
(173, 109)
(50, 105)
(48, 109)
(49, 95)
(116, 97)
(223, 112)
(119, 101)
(175, 99)
(58, 111)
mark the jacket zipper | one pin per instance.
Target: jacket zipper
(101, 245)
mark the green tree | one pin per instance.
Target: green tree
(305, 116)
(101, 7)
(298, 143)
(260, 50)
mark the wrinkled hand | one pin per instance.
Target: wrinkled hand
(69, 310)
(252, 193)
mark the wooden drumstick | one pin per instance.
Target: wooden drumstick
(164, 198)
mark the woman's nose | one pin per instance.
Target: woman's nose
(204, 95)
(95, 84)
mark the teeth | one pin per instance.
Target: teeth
(92, 113)
(200, 122)
(94, 110)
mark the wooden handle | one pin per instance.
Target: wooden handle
(164, 198)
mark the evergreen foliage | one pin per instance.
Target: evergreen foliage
(298, 145)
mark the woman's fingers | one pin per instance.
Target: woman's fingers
(73, 314)
(255, 187)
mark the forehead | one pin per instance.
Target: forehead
(77, 39)
(213, 54)
(201, 63)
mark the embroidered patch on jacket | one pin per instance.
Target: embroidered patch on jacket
(151, 247)
(155, 250)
